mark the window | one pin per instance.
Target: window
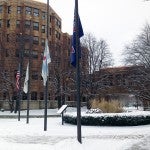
(49, 96)
(17, 37)
(42, 59)
(36, 40)
(0, 23)
(26, 52)
(36, 12)
(69, 99)
(24, 96)
(50, 31)
(18, 23)
(27, 23)
(1, 8)
(8, 23)
(50, 19)
(35, 75)
(33, 95)
(43, 28)
(84, 99)
(28, 10)
(4, 95)
(9, 9)
(41, 95)
(43, 15)
(58, 23)
(118, 79)
(6, 53)
(17, 53)
(69, 41)
(110, 80)
(57, 34)
(35, 26)
(7, 37)
(34, 54)
(43, 42)
(124, 79)
(19, 9)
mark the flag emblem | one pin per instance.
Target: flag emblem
(80, 34)
(46, 61)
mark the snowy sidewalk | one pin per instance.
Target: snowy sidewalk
(32, 113)
(39, 113)
(17, 134)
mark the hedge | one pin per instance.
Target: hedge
(109, 120)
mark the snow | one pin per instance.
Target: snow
(138, 113)
(16, 135)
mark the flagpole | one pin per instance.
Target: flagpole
(28, 88)
(20, 82)
(78, 74)
(29, 74)
(46, 87)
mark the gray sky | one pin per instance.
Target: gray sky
(116, 21)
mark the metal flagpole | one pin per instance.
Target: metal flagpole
(20, 80)
(29, 71)
(28, 95)
(46, 87)
(29, 81)
(78, 74)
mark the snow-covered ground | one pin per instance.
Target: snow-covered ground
(16, 135)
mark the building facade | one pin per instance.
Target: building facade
(23, 28)
(123, 83)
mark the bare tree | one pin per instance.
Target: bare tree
(7, 76)
(138, 53)
(98, 52)
(99, 57)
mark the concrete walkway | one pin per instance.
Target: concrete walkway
(32, 113)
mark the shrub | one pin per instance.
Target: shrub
(109, 120)
(112, 106)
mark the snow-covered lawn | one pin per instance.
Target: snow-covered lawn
(17, 135)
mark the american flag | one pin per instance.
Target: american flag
(17, 79)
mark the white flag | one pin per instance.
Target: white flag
(25, 88)
(46, 61)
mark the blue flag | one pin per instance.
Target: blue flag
(80, 33)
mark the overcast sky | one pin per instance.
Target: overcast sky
(116, 21)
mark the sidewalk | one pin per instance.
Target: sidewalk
(38, 113)
(32, 113)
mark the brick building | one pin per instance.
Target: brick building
(23, 32)
(123, 83)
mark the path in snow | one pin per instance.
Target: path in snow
(143, 144)
(51, 140)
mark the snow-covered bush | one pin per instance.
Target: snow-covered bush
(91, 111)
(105, 119)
